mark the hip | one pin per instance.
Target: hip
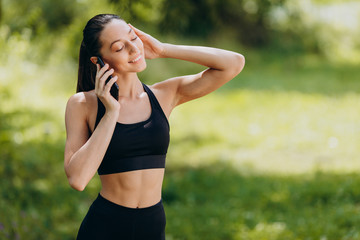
(108, 220)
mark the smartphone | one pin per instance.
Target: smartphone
(114, 91)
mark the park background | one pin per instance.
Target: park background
(273, 154)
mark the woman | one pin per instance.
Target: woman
(126, 139)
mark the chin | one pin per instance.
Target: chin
(142, 67)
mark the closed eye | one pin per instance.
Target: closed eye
(133, 39)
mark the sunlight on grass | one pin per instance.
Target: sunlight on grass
(269, 131)
(271, 155)
(264, 231)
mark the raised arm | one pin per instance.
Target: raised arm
(222, 66)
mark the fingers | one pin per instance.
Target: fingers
(100, 73)
(106, 75)
(101, 76)
(110, 83)
(103, 69)
(137, 31)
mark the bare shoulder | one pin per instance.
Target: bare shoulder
(80, 106)
(81, 98)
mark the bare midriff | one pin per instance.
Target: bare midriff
(134, 189)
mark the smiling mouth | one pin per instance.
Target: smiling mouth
(136, 59)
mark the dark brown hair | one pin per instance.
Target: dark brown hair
(90, 46)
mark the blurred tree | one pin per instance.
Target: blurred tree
(248, 18)
(145, 11)
(58, 13)
(39, 15)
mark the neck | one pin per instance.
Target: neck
(129, 85)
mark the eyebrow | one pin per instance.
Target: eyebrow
(119, 39)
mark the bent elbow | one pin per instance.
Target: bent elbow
(76, 184)
(75, 181)
(237, 64)
(240, 63)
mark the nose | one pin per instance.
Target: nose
(133, 48)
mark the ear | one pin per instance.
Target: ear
(93, 60)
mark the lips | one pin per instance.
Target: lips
(136, 59)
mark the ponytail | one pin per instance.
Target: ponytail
(86, 72)
(90, 46)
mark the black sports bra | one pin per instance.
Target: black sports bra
(135, 146)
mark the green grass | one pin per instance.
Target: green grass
(277, 119)
(216, 202)
(273, 154)
(269, 131)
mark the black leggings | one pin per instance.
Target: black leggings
(106, 220)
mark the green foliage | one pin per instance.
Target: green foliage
(289, 26)
(1, 11)
(271, 155)
(39, 15)
(142, 11)
(279, 160)
(324, 27)
(206, 17)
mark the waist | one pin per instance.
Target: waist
(132, 163)
(114, 208)
(133, 189)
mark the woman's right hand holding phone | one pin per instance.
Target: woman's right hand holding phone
(102, 89)
(84, 152)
